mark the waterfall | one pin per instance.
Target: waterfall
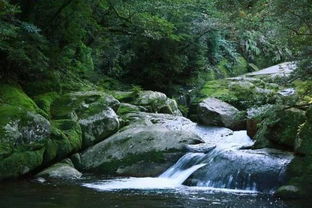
(227, 166)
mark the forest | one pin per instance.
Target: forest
(170, 95)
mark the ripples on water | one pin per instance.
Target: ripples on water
(73, 195)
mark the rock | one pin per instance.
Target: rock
(65, 139)
(44, 101)
(215, 112)
(240, 92)
(22, 137)
(288, 192)
(72, 105)
(253, 119)
(125, 108)
(20, 163)
(151, 167)
(279, 128)
(280, 70)
(98, 126)
(62, 170)
(252, 127)
(142, 142)
(261, 170)
(157, 102)
(94, 112)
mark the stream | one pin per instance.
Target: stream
(222, 172)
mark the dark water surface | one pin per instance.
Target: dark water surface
(26, 194)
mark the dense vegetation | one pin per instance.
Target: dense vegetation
(155, 44)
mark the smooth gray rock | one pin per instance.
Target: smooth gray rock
(62, 170)
(98, 125)
(214, 112)
(144, 141)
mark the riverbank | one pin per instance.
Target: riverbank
(66, 130)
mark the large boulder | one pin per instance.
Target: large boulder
(214, 112)
(23, 131)
(241, 92)
(150, 145)
(93, 110)
(279, 128)
(300, 169)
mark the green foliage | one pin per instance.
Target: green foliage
(156, 44)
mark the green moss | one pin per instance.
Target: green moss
(123, 96)
(304, 137)
(63, 107)
(13, 95)
(127, 108)
(66, 138)
(240, 67)
(300, 173)
(20, 163)
(279, 128)
(217, 89)
(44, 101)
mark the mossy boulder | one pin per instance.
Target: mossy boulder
(254, 116)
(20, 163)
(71, 105)
(65, 139)
(22, 137)
(157, 102)
(44, 101)
(140, 143)
(21, 127)
(241, 92)
(300, 176)
(279, 129)
(93, 110)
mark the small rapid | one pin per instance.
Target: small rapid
(224, 163)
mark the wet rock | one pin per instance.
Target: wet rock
(62, 170)
(141, 142)
(260, 170)
(215, 112)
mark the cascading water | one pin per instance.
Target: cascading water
(222, 162)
